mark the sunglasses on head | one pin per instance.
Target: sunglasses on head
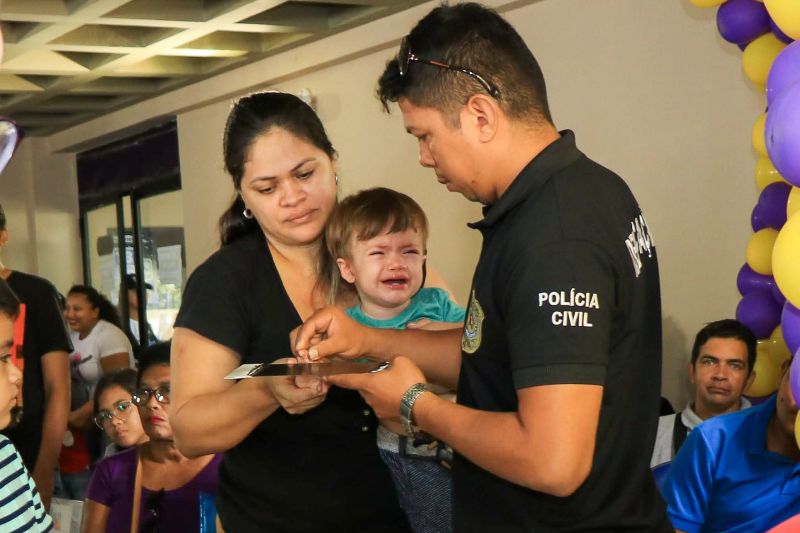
(405, 56)
(10, 135)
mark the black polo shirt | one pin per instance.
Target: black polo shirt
(566, 291)
(42, 332)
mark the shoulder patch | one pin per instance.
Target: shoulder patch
(473, 325)
(639, 242)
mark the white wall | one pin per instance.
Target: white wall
(207, 191)
(39, 194)
(649, 87)
(654, 93)
(16, 197)
(58, 235)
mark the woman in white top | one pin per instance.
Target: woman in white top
(100, 346)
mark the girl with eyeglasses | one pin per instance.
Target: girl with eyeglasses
(115, 413)
(151, 486)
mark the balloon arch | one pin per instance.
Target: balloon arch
(769, 281)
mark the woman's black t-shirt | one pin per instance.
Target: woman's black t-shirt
(319, 471)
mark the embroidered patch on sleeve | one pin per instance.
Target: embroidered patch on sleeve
(473, 325)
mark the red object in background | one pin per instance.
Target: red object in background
(790, 526)
(16, 350)
(75, 458)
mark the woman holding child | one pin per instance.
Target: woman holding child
(298, 456)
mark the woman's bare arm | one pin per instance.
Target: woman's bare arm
(210, 414)
(95, 516)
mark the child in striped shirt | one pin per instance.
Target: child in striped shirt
(21, 509)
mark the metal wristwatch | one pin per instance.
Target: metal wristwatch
(407, 409)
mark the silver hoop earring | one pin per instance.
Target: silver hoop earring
(247, 213)
(336, 178)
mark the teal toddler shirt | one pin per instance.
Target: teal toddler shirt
(430, 302)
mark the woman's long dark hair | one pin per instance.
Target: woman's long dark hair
(107, 310)
(250, 117)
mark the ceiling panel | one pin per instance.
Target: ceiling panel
(67, 61)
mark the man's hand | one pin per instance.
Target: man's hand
(328, 332)
(383, 390)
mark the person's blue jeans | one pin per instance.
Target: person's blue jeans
(72, 486)
(423, 488)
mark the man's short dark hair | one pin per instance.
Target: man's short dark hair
(477, 38)
(132, 282)
(3, 220)
(726, 329)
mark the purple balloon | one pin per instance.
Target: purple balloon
(784, 72)
(757, 219)
(782, 133)
(772, 204)
(777, 32)
(777, 295)
(749, 280)
(741, 21)
(760, 312)
(790, 326)
(794, 376)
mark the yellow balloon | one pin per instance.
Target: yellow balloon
(793, 203)
(759, 55)
(759, 142)
(778, 349)
(768, 374)
(759, 251)
(764, 348)
(766, 173)
(786, 14)
(786, 260)
(707, 3)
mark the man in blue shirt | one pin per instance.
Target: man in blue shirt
(738, 472)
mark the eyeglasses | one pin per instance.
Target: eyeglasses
(405, 57)
(142, 396)
(10, 135)
(120, 411)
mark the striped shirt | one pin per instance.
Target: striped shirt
(21, 508)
